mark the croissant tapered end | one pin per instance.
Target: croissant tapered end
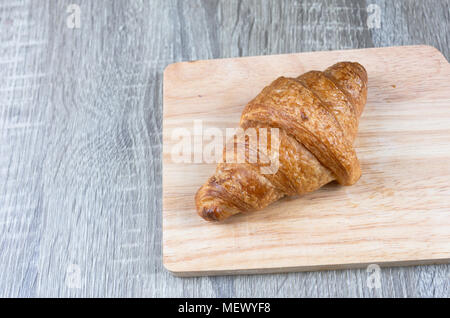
(317, 117)
(213, 211)
(211, 205)
(352, 78)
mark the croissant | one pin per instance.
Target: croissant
(317, 118)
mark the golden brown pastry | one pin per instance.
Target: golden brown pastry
(317, 117)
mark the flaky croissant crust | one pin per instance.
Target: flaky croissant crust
(317, 116)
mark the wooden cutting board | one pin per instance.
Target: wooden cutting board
(398, 213)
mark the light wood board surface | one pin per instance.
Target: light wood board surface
(397, 213)
(81, 137)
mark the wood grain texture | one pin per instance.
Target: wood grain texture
(80, 136)
(397, 213)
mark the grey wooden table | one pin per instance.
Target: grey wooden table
(80, 136)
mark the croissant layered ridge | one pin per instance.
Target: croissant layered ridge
(316, 116)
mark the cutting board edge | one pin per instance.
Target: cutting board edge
(295, 269)
(169, 67)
